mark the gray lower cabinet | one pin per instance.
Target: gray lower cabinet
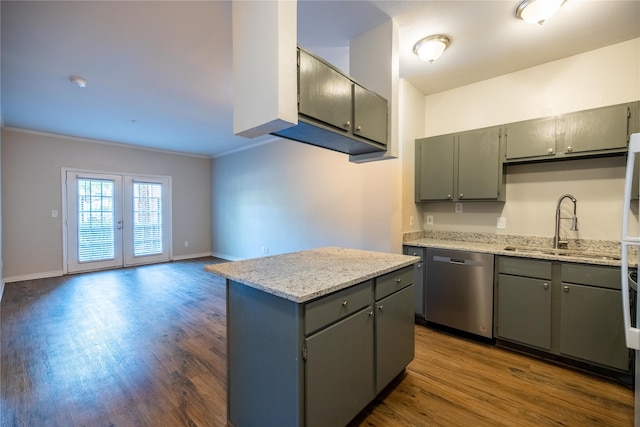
(591, 323)
(524, 310)
(394, 335)
(418, 278)
(338, 370)
(317, 363)
(463, 166)
(566, 309)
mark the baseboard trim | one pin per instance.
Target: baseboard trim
(190, 256)
(34, 276)
(226, 257)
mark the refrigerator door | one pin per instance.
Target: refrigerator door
(632, 334)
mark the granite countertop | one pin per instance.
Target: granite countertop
(303, 276)
(590, 255)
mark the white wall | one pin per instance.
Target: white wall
(31, 166)
(288, 196)
(597, 78)
(412, 110)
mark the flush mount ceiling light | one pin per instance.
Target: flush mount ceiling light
(430, 48)
(78, 81)
(538, 11)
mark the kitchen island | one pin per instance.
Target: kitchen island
(314, 336)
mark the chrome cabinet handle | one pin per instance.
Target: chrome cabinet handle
(347, 124)
(371, 313)
(461, 196)
(359, 128)
(380, 307)
(449, 196)
(398, 280)
(344, 303)
(550, 151)
(546, 286)
(566, 289)
(569, 149)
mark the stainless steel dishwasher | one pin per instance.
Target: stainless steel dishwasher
(459, 290)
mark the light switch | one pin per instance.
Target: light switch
(54, 214)
(502, 222)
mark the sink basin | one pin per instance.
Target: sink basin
(531, 250)
(562, 253)
(590, 256)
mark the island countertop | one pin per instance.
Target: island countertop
(306, 275)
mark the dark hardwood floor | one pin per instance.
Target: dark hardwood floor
(145, 346)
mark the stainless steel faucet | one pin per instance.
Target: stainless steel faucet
(563, 244)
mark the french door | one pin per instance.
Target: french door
(115, 220)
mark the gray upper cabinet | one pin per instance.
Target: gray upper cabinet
(325, 94)
(479, 166)
(605, 128)
(464, 166)
(369, 115)
(335, 112)
(434, 168)
(531, 139)
(595, 132)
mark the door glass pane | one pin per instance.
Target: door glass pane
(96, 231)
(147, 218)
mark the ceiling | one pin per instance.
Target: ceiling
(159, 72)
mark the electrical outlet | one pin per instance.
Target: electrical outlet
(186, 244)
(411, 221)
(429, 219)
(458, 207)
(502, 222)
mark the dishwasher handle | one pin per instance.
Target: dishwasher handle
(458, 261)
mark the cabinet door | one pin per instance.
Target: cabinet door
(394, 335)
(434, 168)
(591, 325)
(339, 370)
(369, 115)
(479, 168)
(418, 278)
(325, 94)
(531, 139)
(594, 130)
(524, 310)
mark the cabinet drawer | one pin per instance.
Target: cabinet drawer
(524, 267)
(594, 275)
(394, 281)
(336, 306)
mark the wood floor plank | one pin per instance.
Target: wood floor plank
(146, 346)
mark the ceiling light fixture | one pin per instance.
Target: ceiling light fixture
(78, 81)
(430, 48)
(538, 11)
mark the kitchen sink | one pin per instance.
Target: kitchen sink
(562, 253)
